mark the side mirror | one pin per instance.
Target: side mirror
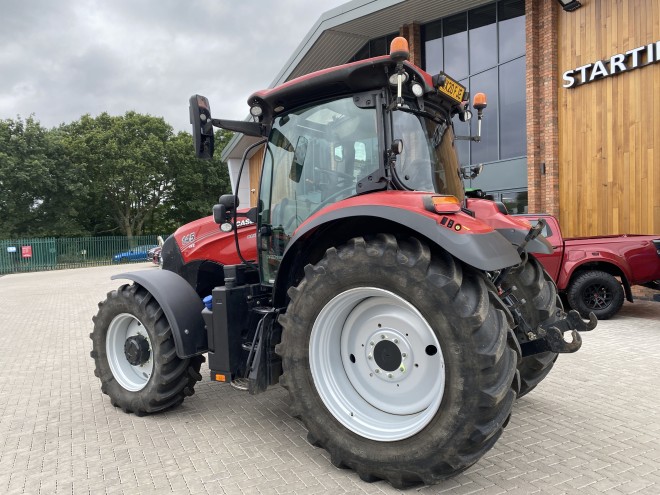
(200, 118)
(229, 201)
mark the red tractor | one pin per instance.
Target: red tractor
(403, 318)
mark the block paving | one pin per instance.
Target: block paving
(592, 427)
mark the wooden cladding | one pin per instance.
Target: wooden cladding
(609, 129)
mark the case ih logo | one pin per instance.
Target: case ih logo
(244, 223)
(187, 239)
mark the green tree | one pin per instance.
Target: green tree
(128, 171)
(197, 184)
(28, 158)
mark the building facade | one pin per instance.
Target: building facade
(573, 120)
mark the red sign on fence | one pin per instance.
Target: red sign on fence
(26, 251)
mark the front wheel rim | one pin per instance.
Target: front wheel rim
(132, 378)
(377, 364)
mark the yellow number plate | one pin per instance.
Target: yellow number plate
(454, 90)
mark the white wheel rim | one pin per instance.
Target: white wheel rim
(355, 342)
(132, 378)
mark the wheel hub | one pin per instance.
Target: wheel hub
(387, 351)
(136, 350)
(387, 355)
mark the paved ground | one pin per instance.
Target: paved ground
(592, 427)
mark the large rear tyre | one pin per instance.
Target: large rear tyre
(597, 292)
(398, 360)
(134, 354)
(536, 292)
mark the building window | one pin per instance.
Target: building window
(374, 48)
(484, 48)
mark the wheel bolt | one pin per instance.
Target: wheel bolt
(382, 336)
(402, 369)
(369, 356)
(377, 370)
(371, 344)
(389, 375)
(404, 355)
(396, 341)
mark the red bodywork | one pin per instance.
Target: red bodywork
(411, 201)
(203, 240)
(635, 256)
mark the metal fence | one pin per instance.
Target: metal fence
(49, 253)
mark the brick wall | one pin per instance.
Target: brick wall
(542, 76)
(412, 33)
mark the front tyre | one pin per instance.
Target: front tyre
(134, 354)
(397, 360)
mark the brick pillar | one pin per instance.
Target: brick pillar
(412, 33)
(542, 79)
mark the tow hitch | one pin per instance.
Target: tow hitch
(560, 336)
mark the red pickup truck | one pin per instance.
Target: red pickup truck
(595, 273)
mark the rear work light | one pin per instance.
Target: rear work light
(442, 204)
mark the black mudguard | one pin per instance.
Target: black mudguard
(181, 305)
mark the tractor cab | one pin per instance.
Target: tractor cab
(383, 125)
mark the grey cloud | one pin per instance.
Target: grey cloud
(60, 60)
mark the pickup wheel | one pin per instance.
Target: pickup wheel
(597, 292)
(540, 304)
(398, 361)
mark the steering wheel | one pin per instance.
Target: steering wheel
(336, 173)
(337, 195)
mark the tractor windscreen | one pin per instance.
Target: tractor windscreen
(428, 161)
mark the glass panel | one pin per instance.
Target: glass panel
(511, 28)
(378, 47)
(483, 38)
(513, 120)
(432, 36)
(515, 202)
(362, 53)
(485, 150)
(428, 159)
(456, 46)
(314, 158)
(434, 60)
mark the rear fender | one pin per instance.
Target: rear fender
(487, 250)
(181, 305)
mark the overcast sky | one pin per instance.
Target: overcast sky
(60, 59)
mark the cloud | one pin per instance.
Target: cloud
(60, 60)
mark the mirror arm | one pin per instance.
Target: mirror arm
(476, 138)
(248, 128)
